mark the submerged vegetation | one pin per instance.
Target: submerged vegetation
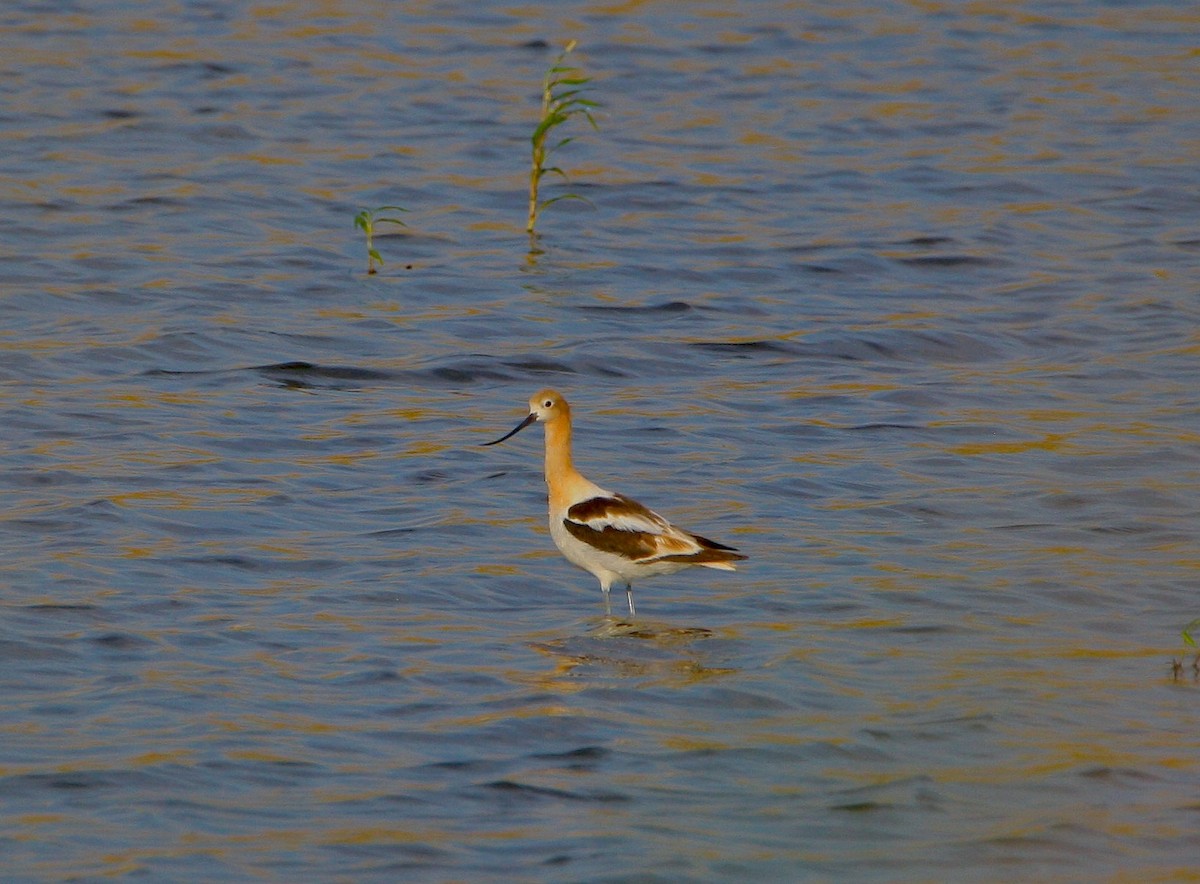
(562, 99)
(1177, 665)
(563, 88)
(365, 221)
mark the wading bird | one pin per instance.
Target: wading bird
(610, 535)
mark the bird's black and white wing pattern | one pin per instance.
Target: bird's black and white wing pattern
(623, 527)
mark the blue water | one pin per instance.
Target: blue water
(900, 299)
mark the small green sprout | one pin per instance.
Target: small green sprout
(562, 99)
(1187, 632)
(366, 221)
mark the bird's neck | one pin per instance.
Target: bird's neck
(567, 486)
(558, 451)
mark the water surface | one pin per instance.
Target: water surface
(898, 298)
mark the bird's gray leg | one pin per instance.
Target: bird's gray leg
(607, 602)
(629, 596)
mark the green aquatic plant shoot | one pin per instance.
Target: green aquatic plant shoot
(366, 221)
(1189, 639)
(562, 99)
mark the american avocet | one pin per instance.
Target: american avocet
(610, 535)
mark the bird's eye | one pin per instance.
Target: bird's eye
(549, 403)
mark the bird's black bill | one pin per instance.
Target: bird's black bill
(518, 428)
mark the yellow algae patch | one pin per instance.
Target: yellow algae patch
(694, 744)
(497, 570)
(377, 835)
(409, 414)
(128, 400)
(1049, 442)
(258, 755)
(265, 160)
(869, 623)
(151, 758)
(172, 498)
(914, 109)
(145, 552)
(276, 549)
(350, 458)
(180, 398)
(389, 834)
(176, 500)
(425, 448)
